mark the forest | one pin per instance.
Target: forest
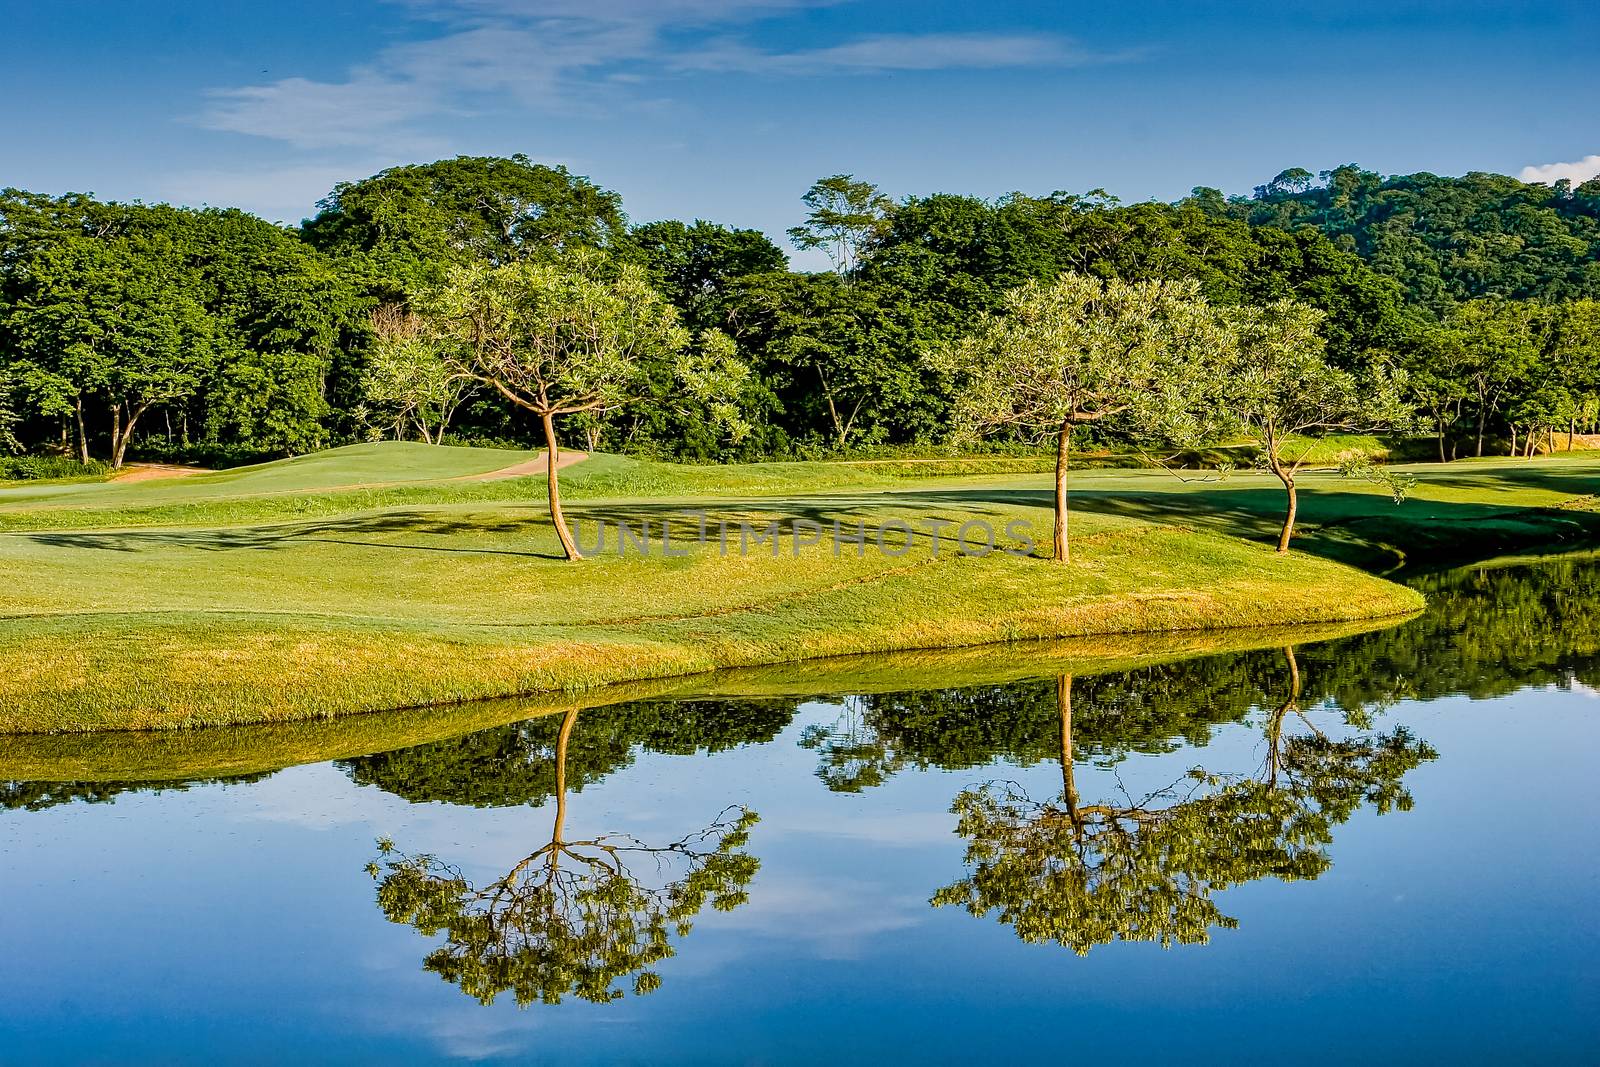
(210, 336)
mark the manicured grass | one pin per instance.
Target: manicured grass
(156, 756)
(276, 593)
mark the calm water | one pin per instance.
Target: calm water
(1386, 842)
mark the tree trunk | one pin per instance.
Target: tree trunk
(122, 432)
(83, 435)
(119, 443)
(1513, 439)
(1275, 724)
(562, 738)
(1063, 452)
(1287, 478)
(552, 455)
(1483, 416)
(1572, 431)
(1069, 785)
(1441, 443)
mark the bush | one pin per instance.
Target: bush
(35, 468)
(200, 454)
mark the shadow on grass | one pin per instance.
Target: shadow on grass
(1351, 527)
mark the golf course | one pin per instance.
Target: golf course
(406, 575)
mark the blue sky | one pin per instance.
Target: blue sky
(727, 109)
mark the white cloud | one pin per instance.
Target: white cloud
(575, 56)
(904, 52)
(1577, 172)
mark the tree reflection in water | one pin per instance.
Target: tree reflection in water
(574, 916)
(1144, 868)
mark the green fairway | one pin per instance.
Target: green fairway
(372, 577)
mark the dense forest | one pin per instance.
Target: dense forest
(211, 336)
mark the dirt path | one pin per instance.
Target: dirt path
(530, 467)
(150, 472)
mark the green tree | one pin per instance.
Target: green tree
(1278, 386)
(694, 266)
(114, 319)
(412, 374)
(1083, 873)
(562, 340)
(412, 223)
(844, 216)
(1500, 343)
(1083, 351)
(574, 916)
(839, 357)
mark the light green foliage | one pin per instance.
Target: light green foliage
(575, 916)
(557, 339)
(1081, 350)
(1144, 868)
(1278, 386)
(414, 375)
(843, 218)
(712, 374)
(1140, 356)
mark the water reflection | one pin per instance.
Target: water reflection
(573, 917)
(528, 762)
(1144, 867)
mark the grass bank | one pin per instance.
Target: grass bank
(155, 757)
(372, 578)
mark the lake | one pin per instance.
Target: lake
(1314, 850)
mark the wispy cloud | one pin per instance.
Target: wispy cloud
(1578, 171)
(576, 55)
(884, 53)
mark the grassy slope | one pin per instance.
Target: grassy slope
(157, 756)
(264, 594)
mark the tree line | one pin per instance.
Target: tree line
(211, 335)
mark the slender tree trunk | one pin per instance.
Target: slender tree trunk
(122, 432)
(1069, 785)
(1572, 431)
(1483, 416)
(562, 738)
(552, 455)
(1063, 456)
(1441, 443)
(83, 434)
(1287, 478)
(1513, 439)
(1275, 725)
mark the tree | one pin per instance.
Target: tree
(1129, 868)
(574, 916)
(1082, 351)
(1279, 386)
(557, 340)
(114, 319)
(8, 411)
(412, 223)
(411, 375)
(695, 266)
(844, 216)
(837, 354)
(1500, 345)
(1575, 360)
